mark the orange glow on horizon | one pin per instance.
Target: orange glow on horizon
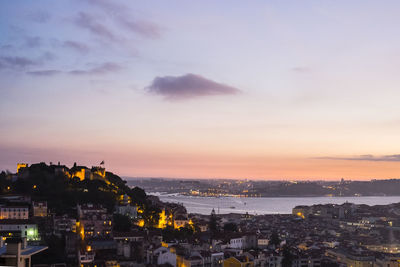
(272, 169)
(198, 165)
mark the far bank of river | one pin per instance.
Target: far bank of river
(261, 205)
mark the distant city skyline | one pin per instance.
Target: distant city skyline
(227, 89)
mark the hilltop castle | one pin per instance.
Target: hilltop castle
(81, 172)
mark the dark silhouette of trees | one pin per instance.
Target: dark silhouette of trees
(182, 234)
(287, 257)
(150, 215)
(121, 223)
(63, 193)
(137, 194)
(274, 239)
(230, 227)
(213, 224)
(54, 253)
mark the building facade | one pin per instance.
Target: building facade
(14, 212)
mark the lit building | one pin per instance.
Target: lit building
(21, 166)
(94, 221)
(262, 242)
(238, 261)
(194, 259)
(98, 170)
(180, 221)
(39, 208)
(81, 172)
(124, 200)
(19, 228)
(301, 211)
(14, 212)
(162, 222)
(64, 224)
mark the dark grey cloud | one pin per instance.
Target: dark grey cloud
(93, 25)
(43, 72)
(387, 158)
(104, 68)
(77, 46)
(188, 86)
(39, 16)
(17, 62)
(24, 63)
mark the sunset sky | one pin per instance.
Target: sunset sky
(203, 89)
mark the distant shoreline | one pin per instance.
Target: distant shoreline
(265, 205)
(280, 196)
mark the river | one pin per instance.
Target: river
(261, 205)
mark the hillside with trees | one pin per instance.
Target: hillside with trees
(63, 190)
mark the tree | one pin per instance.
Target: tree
(137, 194)
(122, 223)
(274, 239)
(168, 234)
(185, 233)
(287, 257)
(151, 215)
(213, 223)
(230, 227)
(54, 253)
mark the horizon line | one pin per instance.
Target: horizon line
(266, 180)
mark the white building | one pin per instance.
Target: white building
(128, 210)
(165, 256)
(237, 243)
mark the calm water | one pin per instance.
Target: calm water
(282, 205)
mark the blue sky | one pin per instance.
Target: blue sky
(262, 89)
